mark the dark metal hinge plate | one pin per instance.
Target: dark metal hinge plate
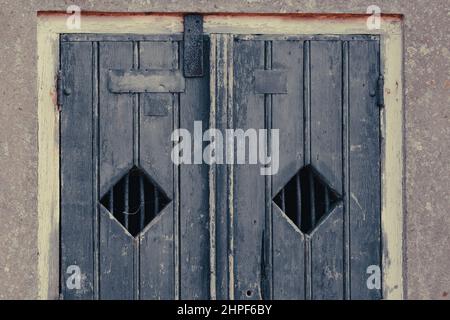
(380, 91)
(193, 46)
(59, 89)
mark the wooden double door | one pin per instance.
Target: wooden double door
(135, 225)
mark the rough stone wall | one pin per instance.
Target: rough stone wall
(427, 128)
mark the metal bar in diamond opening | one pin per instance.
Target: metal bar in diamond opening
(111, 201)
(283, 203)
(156, 201)
(126, 207)
(311, 199)
(142, 203)
(326, 200)
(298, 212)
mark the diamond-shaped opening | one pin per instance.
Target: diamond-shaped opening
(135, 200)
(307, 198)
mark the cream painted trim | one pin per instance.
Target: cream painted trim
(48, 164)
(50, 25)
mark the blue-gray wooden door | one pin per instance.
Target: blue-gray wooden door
(115, 151)
(137, 226)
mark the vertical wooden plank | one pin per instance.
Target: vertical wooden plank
(222, 84)
(249, 185)
(364, 163)
(307, 151)
(326, 111)
(116, 259)
(155, 131)
(287, 116)
(157, 280)
(288, 258)
(116, 116)
(287, 110)
(157, 247)
(327, 266)
(346, 167)
(77, 170)
(194, 193)
(116, 158)
(95, 163)
(267, 252)
(136, 162)
(326, 156)
(212, 172)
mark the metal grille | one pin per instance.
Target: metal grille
(135, 200)
(306, 199)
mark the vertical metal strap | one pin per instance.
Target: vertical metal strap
(193, 46)
(59, 89)
(380, 91)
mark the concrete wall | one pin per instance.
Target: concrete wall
(427, 129)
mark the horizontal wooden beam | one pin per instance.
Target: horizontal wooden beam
(270, 81)
(141, 81)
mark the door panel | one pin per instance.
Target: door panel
(142, 233)
(322, 241)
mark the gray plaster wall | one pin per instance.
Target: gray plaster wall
(427, 129)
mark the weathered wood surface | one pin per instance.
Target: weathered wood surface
(116, 259)
(116, 247)
(157, 251)
(326, 110)
(287, 117)
(327, 115)
(327, 251)
(364, 164)
(77, 170)
(194, 193)
(126, 81)
(270, 81)
(222, 90)
(249, 185)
